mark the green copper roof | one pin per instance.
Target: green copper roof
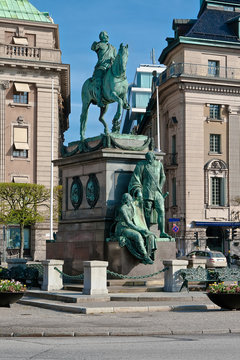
(21, 10)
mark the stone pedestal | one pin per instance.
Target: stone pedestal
(95, 278)
(93, 185)
(52, 279)
(16, 262)
(121, 260)
(172, 280)
(96, 180)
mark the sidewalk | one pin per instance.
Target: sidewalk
(138, 314)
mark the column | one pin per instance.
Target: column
(3, 86)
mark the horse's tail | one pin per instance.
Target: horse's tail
(86, 101)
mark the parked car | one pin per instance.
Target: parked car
(213, 258)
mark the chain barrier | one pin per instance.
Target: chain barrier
(73, 277)
(121, 276)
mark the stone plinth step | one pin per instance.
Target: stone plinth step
(65, 296)
(133, 289)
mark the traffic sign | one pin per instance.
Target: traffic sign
(175, 228)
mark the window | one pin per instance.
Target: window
(216, 177)
(13, 237)
(174, 154)
(144, 80)
(20, 98)
(20, 93)
(174, 192)
(214, 111)
(213, 68)
(215, 143)
(20, 142)
(20, 153)
(216, 191)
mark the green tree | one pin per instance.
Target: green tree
(57, 202)
(22, 204)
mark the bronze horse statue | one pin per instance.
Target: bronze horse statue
(114, 89)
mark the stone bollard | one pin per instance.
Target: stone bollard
(173, 281)
(95, 277)
(52, 279)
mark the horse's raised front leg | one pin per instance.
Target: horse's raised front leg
(83, 119)
(115, 122)
(101, 119)
(126, 105)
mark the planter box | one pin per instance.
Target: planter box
(8, 298)
(226, 301)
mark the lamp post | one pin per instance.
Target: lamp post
(158, 125)
(52, 155)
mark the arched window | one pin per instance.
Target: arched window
(216, 176)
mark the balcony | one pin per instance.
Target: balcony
(171, 160)
(21, 52)
(201, 71)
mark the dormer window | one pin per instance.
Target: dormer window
(213, 68)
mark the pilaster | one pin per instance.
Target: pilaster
(3, 86)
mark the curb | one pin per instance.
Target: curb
(119, 333)
(116, 309)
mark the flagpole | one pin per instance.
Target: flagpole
(158, 125)
(52, 155)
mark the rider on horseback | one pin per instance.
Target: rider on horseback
(106, 54)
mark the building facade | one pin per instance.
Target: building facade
(139, 94)
(34, 89)
(199, 112)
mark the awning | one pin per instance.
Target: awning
(21, 87)
(20, 40)
(21, 146)
(20, 134)
(20, 180)
(216, 223)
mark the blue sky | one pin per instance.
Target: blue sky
(142, 24)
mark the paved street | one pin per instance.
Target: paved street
(132, 348)
(26, 320)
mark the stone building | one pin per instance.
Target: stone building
(31, 71)
(199, 112)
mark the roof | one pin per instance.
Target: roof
(224, 2)
(22, 10)
(213, 24)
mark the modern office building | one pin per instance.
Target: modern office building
(34, 90)
(199, 112)
(139, 93)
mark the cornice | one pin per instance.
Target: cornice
(227, 90)
(24, 64)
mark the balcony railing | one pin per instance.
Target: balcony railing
(22, 51)
(30, 53)
(198, 70)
